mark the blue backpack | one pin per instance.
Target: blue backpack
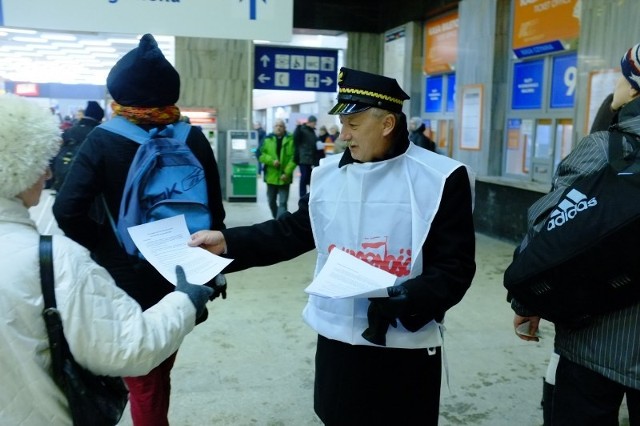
(165, 179)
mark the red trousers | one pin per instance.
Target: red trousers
(149, 395)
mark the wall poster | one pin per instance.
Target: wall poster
(601, 84)
(471, 114)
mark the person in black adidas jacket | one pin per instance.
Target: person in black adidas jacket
(599, 362)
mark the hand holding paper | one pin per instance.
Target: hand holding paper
(164, 244)
(344, 275)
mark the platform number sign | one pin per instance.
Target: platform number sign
(563, 81)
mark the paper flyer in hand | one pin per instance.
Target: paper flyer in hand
(344, 275)
(164, 244)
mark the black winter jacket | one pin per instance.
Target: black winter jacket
(100, 168)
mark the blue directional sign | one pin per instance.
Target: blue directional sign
(290, 68)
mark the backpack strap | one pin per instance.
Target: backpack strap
(112, 221)
(617, 159)
(615, 145)
(123, 127)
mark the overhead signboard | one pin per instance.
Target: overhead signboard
(231, 19)
(441, 44)
(545, 26)
(290, 68)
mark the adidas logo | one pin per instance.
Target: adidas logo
(574, 202)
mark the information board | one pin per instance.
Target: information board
(433, 94)
(527, 85)
(245, 20)
(290, 68)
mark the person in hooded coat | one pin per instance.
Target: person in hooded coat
(106, 330)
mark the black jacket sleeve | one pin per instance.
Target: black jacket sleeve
(448, 256)
(272, 241)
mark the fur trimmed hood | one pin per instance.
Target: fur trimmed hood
(29, 138)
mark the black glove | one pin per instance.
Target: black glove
(383, 312)
(199, 294)
(219, 286)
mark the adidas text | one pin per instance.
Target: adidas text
(569, 208)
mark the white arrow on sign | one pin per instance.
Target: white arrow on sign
(327, 81)
(262, 78)
(265, 60)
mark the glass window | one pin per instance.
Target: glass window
(543, 147)
(519, 137)
(564, 130)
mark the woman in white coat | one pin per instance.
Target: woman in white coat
(106, 330)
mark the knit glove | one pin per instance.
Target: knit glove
(199, 294)
(383, 312)
(219, 286)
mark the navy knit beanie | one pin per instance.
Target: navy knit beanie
(144, 78)
(630, 65)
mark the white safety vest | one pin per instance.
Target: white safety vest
(381, 212)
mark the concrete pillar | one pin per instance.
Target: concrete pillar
(217, 73)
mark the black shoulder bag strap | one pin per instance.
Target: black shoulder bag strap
(617, 158)
(51, 315)
(615, 145)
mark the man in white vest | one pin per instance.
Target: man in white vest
(400, 208)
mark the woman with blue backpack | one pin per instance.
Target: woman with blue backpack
(145, 88)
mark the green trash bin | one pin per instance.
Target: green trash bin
(244, 180)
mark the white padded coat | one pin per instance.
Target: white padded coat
(106, 330)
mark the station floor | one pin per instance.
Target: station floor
(251, 363)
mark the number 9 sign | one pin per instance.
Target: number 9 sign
(570, 80)
(563, 81)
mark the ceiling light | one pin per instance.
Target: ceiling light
(103, 49)
(18, 48)
(18, 31)
(68, 45)
(41, 46)
(60, 37)
(122, 41)
(106, 55)
(29, 39)
(95, 42)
